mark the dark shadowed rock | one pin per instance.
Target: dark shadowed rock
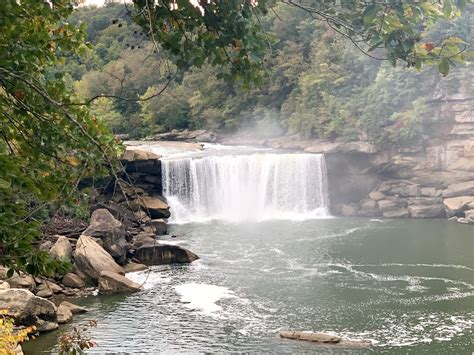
(160, 226)
(112, 233)
(164, 254)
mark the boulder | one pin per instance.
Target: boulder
(64, 314)
(62, 249)
(463, 220)
(469, 215)
(45, 326)
(426, 211)
(154, 206)
(325, 339)
(113, 283)
(132, 267)
(17, 280)
(160, 225)
(73, 280)
(460, 189)
(164, 254)
(75, 309)
(311, 336)
(456, 205)
(103, 225)
(376, 195)
(45, 293)
(144, 239)
(28, 309)
(91, 259)
(136, 153)
(46, 245)
(4, 285)
(399, 213)
(348, 210)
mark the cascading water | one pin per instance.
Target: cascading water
(246, 187)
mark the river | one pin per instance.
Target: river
(407, 285)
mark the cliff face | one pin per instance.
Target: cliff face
(421, 182)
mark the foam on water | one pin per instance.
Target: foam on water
(202, 296)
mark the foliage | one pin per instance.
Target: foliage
(77, 340)
(47, 144)
(10, 338)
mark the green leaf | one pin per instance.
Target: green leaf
(10, 273)
(447, 8)
(369, 14)
(444, 67)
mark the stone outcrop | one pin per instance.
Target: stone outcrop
(28, 309)
(64, 314)
(91, 259)
(113, 283)
(164, 254)
(154, 206)
(103, 225)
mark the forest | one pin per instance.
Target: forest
(317, 83)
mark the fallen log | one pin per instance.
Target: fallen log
(324, 339)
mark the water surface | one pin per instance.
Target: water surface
(407, 285)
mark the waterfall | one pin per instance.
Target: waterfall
(246, 187)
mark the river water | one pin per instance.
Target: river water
(407, 285)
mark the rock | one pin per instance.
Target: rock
(456, 205)
(376, 195)
(463, 220)
(136, 153)
(18, 350)
(73, 280)
(391, 204)
(359, 147)
(4, 285)
(399, 213)
(64, 314)
(164, 254)
(427, 211)
(311, 336)
(469, 215)
(369, 208)
(62, 249)
(161, 228)
(460, 189)
(324, 147)
(47, 288)
(149, 229)
(45, 326)
(92, 259)
(132, 267)
(144, 240)
(45, 293)
(73, 308)
(103, 225)
(348, 210)
(142, 217)
(21, 281)
(424, 201)
(113, 283)
(325, 339)
(453, 219)
(46, 245)
(428, 191)
(154, 206)
(28, 309)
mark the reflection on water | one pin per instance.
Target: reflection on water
(406, 285)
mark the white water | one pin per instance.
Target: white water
(238, 188)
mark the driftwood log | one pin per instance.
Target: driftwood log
(324, 339)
